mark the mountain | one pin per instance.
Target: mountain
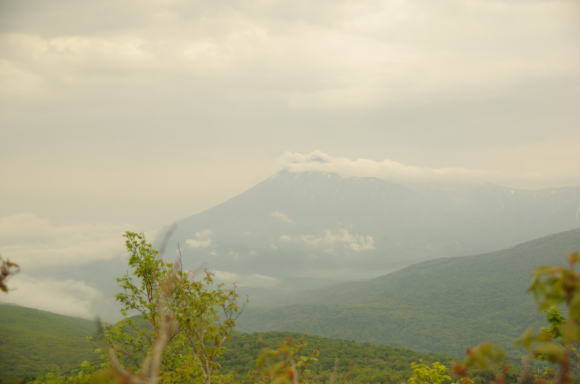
(33, 342)
(440, 306)
(307, 230)
(36, 342)
(319, 226)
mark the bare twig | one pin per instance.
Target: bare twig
(166, 238)
(525, 373)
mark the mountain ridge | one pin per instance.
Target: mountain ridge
(439, 306)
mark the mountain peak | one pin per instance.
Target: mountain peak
(319, 223)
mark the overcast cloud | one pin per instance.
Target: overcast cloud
(132, 114)
(146, 111)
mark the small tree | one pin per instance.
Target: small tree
(437, 373)
(140, 296)
(204, 312)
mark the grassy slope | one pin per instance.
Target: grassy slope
(439, 306)
(33, 341)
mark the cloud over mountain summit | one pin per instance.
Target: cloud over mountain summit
(318, 161)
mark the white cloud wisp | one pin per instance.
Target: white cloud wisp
(201, 239)
(318, 161)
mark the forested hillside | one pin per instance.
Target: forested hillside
(35, 342)
(439, 306)
(363, 362)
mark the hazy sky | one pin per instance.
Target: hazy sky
(131, 114)
(145, 111)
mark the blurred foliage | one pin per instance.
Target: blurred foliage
(437, 373)
(553, 287)
(7, 269)
(284, 365)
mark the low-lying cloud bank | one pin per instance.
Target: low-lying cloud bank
(67, 297)
(318, 161)
(353, 242)
(253, 280)
(36, 242)
(331, 239)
